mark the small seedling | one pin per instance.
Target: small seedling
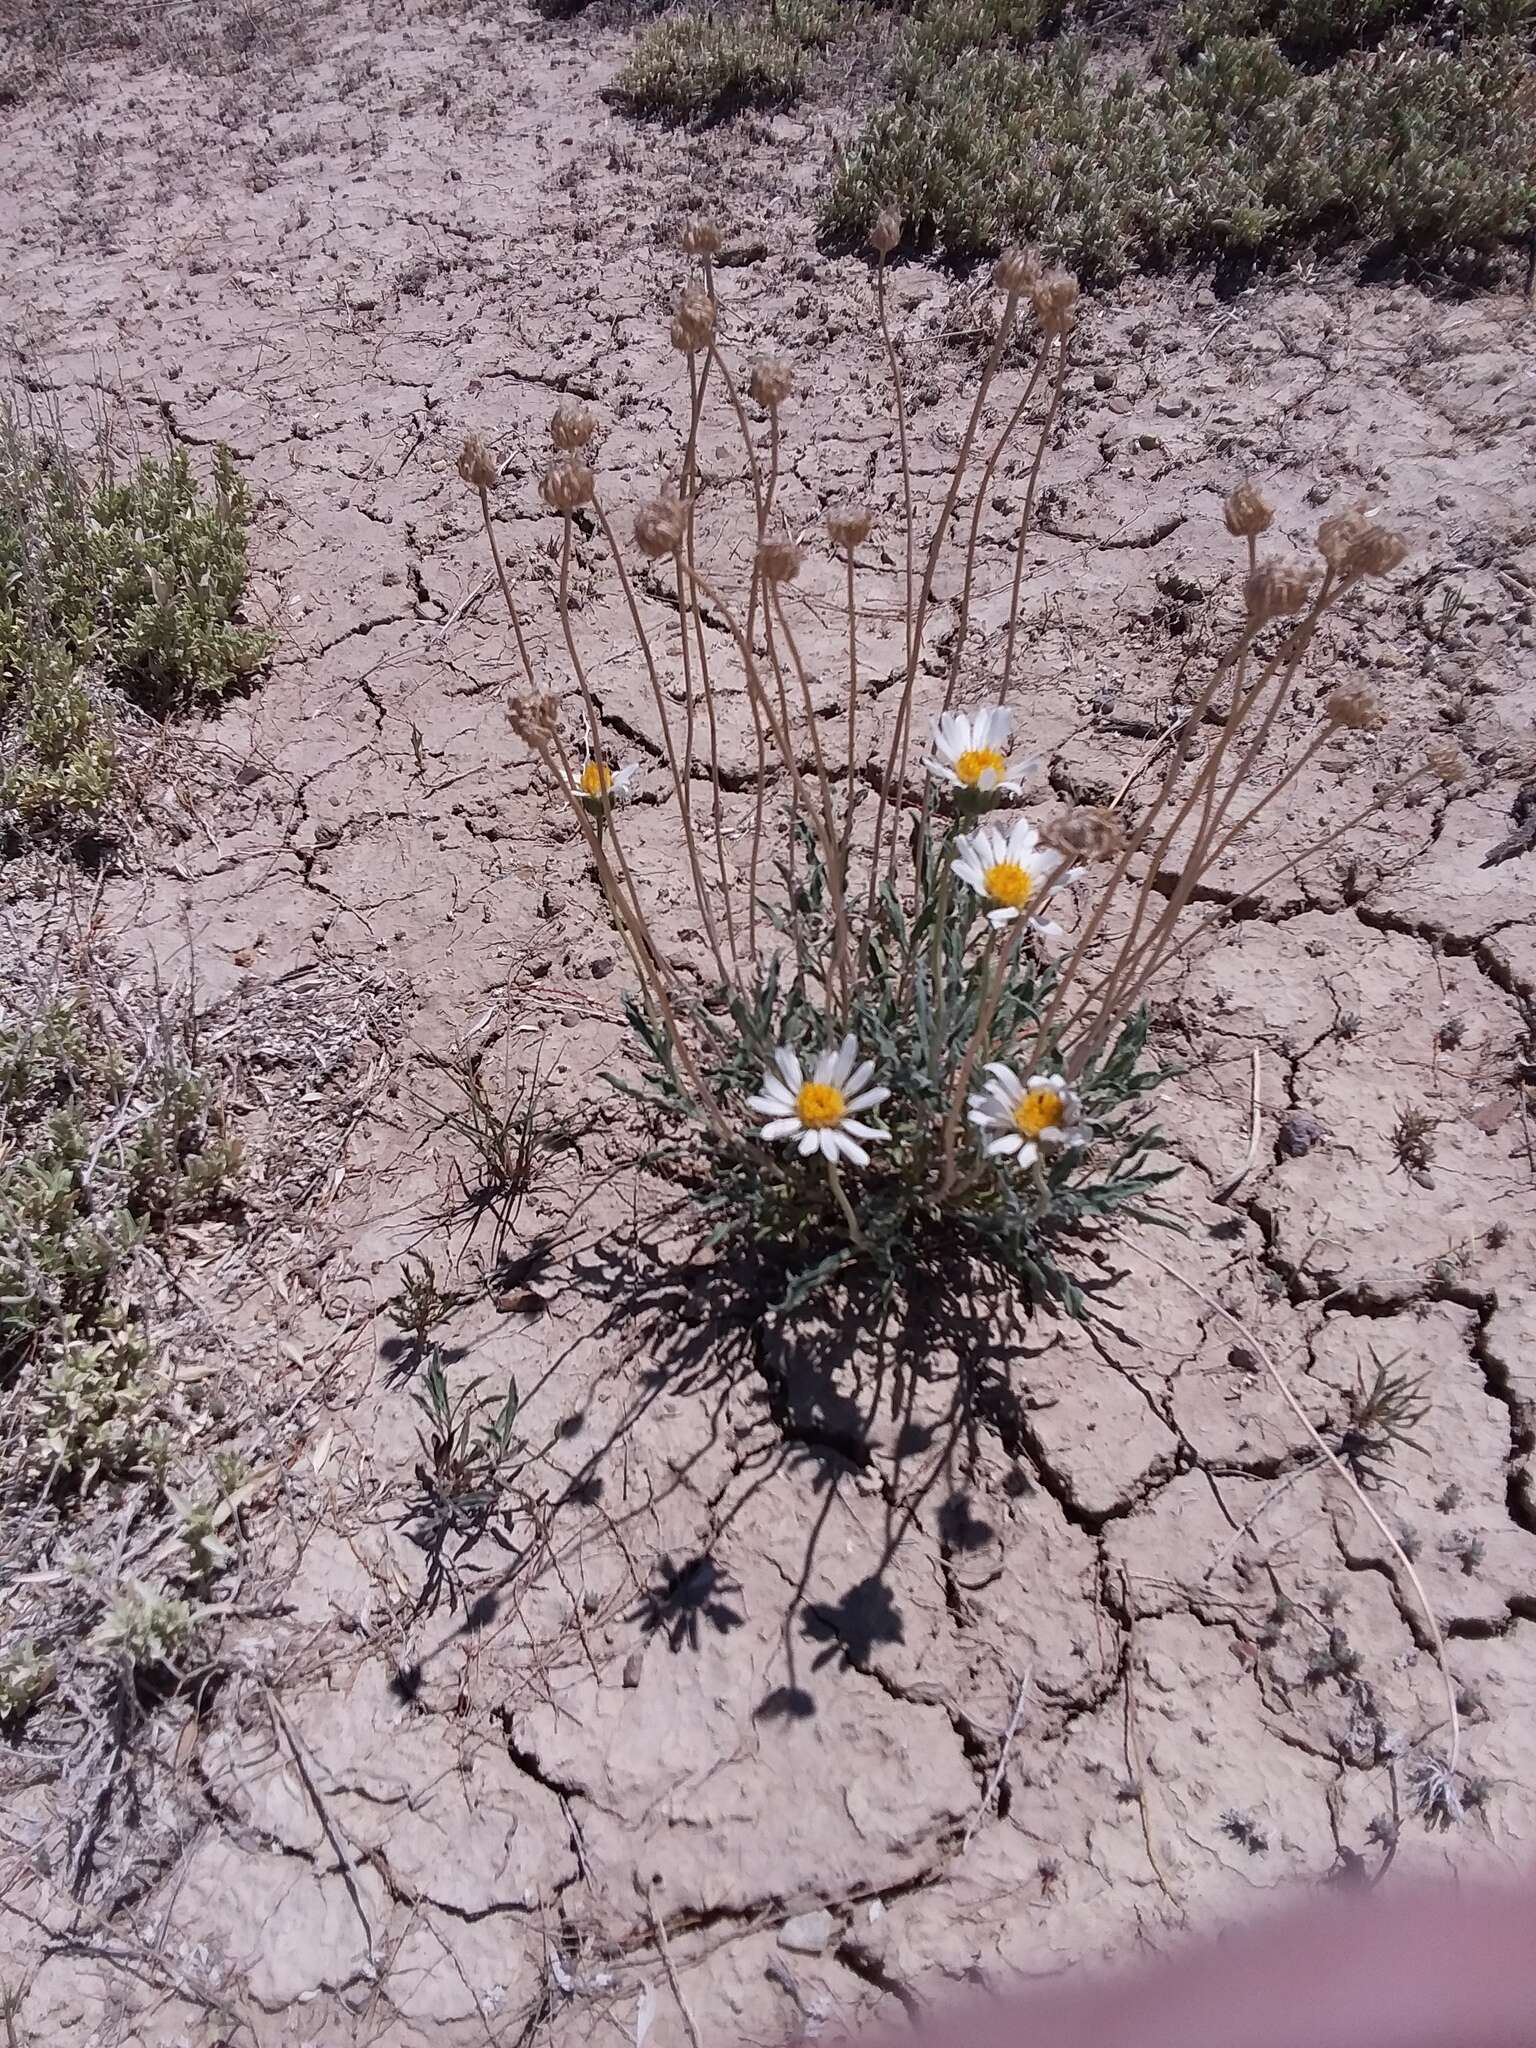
(1382, 1416)
(419, 1305)
(26, 1676)
(1413, 1138)
(1243, 1829)
(508, 1140)
(467, 1448)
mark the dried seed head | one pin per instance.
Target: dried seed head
(1274, 590)
(477, 465)
(1055, 302)
(534, 719)
(1248, 512)
(571, 425)
(1356, 707)
(778, 561)
(1447, 763)
(567, 484)
(885, 235)
(1016, 271)
(770, 383)
(660, 525)
(701, 237)
(848, 526)
(1356, 544)
(1089, 832)
(693, 324)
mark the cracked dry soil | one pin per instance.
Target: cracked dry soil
(779, 1598)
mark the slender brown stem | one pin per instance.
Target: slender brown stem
(853, 711)
(834, 864)
(506, 588)
(1027, 516)
(888, 788)
(690, 843)
(855, 1228)
(900, 395)
(978, 507)
(996, 973)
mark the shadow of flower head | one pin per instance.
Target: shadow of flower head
(865, 1617)
(682, 1596)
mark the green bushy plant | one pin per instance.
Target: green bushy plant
(114, 589)
(1230, 147)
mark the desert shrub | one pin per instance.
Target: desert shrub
(1232, 150)
(894, 1059)
(692, 66)
(97, 1152)
(1316, 31)
(114, 590)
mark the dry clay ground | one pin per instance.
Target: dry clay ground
(968, 1644)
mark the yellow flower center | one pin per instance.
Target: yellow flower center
(818, 1105)
(1039, 1109)
(976, 762)
(596, 780)
(1009, 884)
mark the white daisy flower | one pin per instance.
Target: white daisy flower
(970, 751)
(1042, 1114)
(819, 1111)
(1009, 868)
(597, 780)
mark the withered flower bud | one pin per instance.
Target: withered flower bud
(567, 484)
(1248, 512)
(1055, 302)
(660, 525)
(1016, 271)
(1088, 832)
(701, 238)
(770, 383)
(571, 425)
(1356, 707)
(477, 465)
(1356, 544)
(1274, 590)
(885, 235)
(1447, 762)
(779, 561)
(693, 324)
(849, 526)
(534, 719)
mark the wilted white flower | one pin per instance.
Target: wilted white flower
(598, 781)
(1009, 868)
(970, 750)
(1039, 1115)
(819, 1112)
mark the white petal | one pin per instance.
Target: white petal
(829, 1142)
(854, 1154)
(860, 1077)
(789, 1066)
(998, 918)
(1002, 1146)
(851, 1126)
(824, 1069)
(774, 1100)
(847, 1057)
(988, 780)
(869, 1098)
(1055, 1082)
(997, 723)
(1005, 1080)
(809, 1143)
(1028, 1154)
(781, 1127)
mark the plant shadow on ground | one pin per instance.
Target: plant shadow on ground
(908, 1385)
